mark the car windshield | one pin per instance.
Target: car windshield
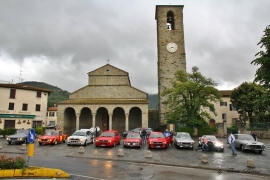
(79, 134)
(133, 135)
(210, 138)
(51, 133)
(21, 131)
(245, 137)
(156, 136)
(183, 135)
(107, 134)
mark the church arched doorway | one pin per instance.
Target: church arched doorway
(135, 118)
(69, 120)
(85, 119)
(102, 119)
(118, 119)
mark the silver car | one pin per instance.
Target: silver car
(247, 142)
(19, 137)
(183, 140)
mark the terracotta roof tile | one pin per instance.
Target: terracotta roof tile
(225, 93)
(26, 87)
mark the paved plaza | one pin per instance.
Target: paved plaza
(220, 161)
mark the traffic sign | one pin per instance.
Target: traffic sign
(31, 135)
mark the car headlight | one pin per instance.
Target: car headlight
(20, 139)
(218, 144)
(164, 142)
(81, 139)
(97, 140)
(109, 141)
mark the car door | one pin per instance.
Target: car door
(117, 137)
(89, 140)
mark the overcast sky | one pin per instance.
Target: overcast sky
(59, 41)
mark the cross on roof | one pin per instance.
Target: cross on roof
(108, 61)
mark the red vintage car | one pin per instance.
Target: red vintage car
(52, 137)
(156, 140)
(108, 138)
(133, 139)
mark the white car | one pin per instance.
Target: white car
(80, 137)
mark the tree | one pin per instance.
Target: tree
(262, 75)
(248, 99)
(190, 98)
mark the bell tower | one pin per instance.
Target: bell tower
(171, 49)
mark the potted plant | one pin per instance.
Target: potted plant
(19, 122)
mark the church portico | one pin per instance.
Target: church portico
(108, 101)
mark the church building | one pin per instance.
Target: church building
(108, 101)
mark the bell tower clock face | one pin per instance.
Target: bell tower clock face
(172, 47)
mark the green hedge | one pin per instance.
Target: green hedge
(40, 130)
(190, 130)
(206, 131)
(8, 131)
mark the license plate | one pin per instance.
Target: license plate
(102, 144)
(158, 146)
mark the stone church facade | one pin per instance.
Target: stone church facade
(108, 101)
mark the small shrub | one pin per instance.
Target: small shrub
(40, 130)
(12, 163)
(9, 131)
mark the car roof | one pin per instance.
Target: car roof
(111, 131)
(84, 130)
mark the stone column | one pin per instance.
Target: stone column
(77, 120)
(225, 128)
(126, 128)
(110, 121)
(93, 119)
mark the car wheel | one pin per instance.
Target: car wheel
(113, 144)
(148, 146)
(260, 151)
(242, 148)
(55, 142)
(9, 142)
(25, 141)
(64, 141)
(40, 144)
(68, 144)
(85, 143)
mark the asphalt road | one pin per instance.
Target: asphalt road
(164, 164)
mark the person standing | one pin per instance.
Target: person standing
(97, 131)
(254, 135)
(143, 133)
(231, 140)
(92, 130)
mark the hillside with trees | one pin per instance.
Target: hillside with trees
(57, 94)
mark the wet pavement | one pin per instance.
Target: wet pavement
(220, 161)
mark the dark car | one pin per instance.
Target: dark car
(19, 137)
(138, 130)
(213, 143)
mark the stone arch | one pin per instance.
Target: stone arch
(212, 123)
(118, 119)
(135, 118)
(69, 120)
(85, 118)
(102, 119)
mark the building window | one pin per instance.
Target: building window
(232, 108)
(39, 94)
(36, 124)
(51, 114)
(37, 107)
(12, 93)
(223, 103)
(24, 107)
(224, 117)
(11, 106)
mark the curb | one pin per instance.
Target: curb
(34, 171)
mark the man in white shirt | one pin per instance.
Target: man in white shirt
(97, 131)
(231, 140)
